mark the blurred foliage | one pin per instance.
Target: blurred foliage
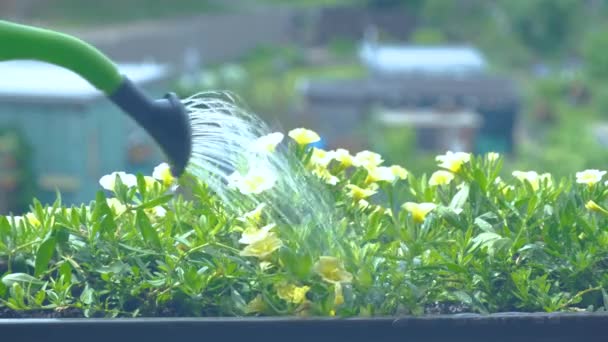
(16, 172)
(544, 26)
(77, 12)
(427, 36)
(267, 79)
(594, 50)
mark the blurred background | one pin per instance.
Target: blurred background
(406, 78)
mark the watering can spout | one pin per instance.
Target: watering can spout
(166, 120)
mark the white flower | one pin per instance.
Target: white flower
(320, 157)
(256, 181)
(441, 177)
(267, 143)
(367, 159)
(589, 177)
(453, 161)
(380, 174)
(303, 136)
(493, 156)
(255, 215)
(159, 211)
(116, 206)
(343, 157)
(253, 234)
(108, 182)
(533, 178)
(162, 172)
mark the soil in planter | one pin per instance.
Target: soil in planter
(65, 313)
(446, 308)
(437, 308)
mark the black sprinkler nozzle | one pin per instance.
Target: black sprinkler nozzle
(166, 120)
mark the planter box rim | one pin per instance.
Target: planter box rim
(513, 326)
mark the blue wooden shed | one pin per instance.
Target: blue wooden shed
(76, 134)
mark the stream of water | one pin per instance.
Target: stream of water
(224, 137)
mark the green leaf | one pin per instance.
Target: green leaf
(102, 217)
(148, 232)
(87, 296)
(13, 278)
(484, 225)
(156, 202)
(141, 185)
(5, 234)
(460, 198)
(65, 270)
(5, 228)
(463, 297)
(44, 254)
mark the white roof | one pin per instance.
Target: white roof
(34, 80)
(427, 59)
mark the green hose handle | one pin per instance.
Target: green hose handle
(20, 42)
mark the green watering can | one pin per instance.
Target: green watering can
(166, 119)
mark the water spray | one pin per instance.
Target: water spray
(207, 134)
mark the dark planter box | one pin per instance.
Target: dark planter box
(518, 327)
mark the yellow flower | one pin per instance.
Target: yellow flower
(252, 235)
(359, 193)
(367, 159)
(267, 143)
(332, 270)
(162, 172)
(320, 158)
(325, 175)
(492, 156)
(32, 219)
(116, 206)
(591, 205)
(441, 177)
(150, 182)
(379, 174)
(453, 161)
(399, 172)
(291, 293)
(29, 217)
(363, 204)
(303, 136)
(262, 248)
(506, 189)
(533, 178)
(255, 215)
(338, 295)
(343, 157)
(256, 181)
(108, 182)
(589, 177)
(419, 210)
(256, 305)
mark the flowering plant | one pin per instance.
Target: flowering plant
(463, 239)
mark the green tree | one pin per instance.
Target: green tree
(594, 49)
(543, 26)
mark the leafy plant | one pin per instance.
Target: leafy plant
(462, 238)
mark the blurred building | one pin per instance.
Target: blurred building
(75, 133)
(445, 93)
